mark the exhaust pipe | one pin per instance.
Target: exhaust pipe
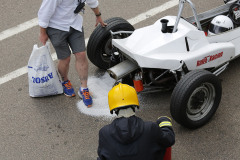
(122, 69)
(164, 25)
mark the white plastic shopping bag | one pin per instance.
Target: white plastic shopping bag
(43, 77)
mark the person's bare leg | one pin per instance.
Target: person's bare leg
(81, 65)
(63, 67)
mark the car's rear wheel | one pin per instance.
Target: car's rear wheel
(99, 48)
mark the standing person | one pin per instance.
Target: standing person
(63, 27)
(128, 137)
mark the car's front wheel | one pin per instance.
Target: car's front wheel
(196, 98)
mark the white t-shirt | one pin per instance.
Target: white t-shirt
(60, 14)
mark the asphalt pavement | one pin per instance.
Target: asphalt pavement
(54, 128)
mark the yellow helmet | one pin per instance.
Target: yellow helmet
(122, 96)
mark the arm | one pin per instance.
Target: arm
(43, 37)
(98, 17)
(165, 131)
(45, 12)
(93, 4)
(100, 146)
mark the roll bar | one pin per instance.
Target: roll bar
(208, 14)
(181, 5)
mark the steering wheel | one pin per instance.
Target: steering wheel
(234, 13)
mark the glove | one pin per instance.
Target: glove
(164, 121)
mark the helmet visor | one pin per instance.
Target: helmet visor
(217, 29)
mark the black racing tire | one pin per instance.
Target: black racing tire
(99, 45)
(196, 98)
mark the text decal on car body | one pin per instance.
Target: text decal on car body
(209, 58)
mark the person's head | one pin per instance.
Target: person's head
(122, 97)
(220, 24)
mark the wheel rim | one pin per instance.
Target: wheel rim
(201, 101)
(107, 48)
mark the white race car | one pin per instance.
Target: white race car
(183, 54)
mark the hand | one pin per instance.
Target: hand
(99, 20)
(43, 38)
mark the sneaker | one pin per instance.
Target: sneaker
(67, 89)
(87, 99)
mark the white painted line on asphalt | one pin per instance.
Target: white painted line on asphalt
(29, 24)
(21, 71)
(18, 29)
(153, 11)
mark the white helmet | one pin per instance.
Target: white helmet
(220, 24)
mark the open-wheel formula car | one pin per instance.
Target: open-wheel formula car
(183, 54)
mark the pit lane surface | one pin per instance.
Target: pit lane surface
(53, 128)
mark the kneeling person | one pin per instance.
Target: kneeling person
(128, 137)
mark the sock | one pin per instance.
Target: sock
(64, 81)
(82, 88)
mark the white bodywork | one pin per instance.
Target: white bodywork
(151, 48)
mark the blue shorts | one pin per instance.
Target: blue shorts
(62, 40)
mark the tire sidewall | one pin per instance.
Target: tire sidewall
(187, 86)
(99, 38)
